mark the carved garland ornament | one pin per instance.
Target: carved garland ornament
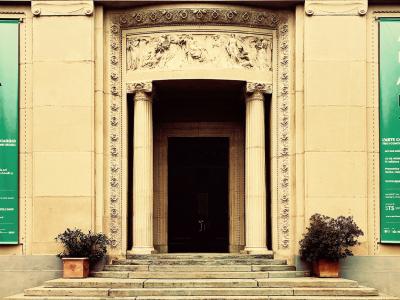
(187, 16)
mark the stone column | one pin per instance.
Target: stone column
(255, 185)
(142, 169)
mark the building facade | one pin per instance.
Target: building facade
(197, 127)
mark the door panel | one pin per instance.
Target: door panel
(198, 194)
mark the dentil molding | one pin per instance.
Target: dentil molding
(336, 7)
(62, 8)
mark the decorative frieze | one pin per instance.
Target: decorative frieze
(213, 50)
(189, 16)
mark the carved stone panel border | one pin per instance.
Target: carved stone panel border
(283, 136)
(153, 17)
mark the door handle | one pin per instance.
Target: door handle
(202, 226)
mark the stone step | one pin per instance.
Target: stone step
(193, 268)
(195, 275)
(203, 261)
(200, 256)
(243, 292)
(199, 291)
(206, 273)
(380, 297)
(138, 283)
(200, 268)
(243, 261)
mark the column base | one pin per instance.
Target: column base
(258, 250)
(141, 250)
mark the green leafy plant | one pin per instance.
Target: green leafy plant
(329, 238)
(79, 244)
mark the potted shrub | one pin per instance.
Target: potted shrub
(81, 251)
(326, 241)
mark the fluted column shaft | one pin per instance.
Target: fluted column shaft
(143, 174)
(255, 185)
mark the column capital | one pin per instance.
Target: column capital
(134, 87)
(253, 87)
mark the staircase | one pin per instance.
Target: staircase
(200, 276)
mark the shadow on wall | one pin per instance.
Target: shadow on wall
(381, 272)
(21, 272)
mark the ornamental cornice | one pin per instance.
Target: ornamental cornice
(155, 17)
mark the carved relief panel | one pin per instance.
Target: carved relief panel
(205, 50)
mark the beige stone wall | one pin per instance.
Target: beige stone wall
(56, 124)
(63, 126)
(335, 159)
(341, 115)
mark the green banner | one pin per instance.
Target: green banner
(389, 64)
(9, 65)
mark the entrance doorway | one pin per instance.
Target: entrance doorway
(198, 194)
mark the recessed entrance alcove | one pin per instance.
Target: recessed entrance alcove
(199, 156)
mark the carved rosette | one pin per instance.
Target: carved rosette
(283, 134)
(189, 16)
(115, 145)
(245, 17)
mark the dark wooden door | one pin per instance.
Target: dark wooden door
(198, 205)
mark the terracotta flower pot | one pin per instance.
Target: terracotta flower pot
(75, 267)
(326, 268)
